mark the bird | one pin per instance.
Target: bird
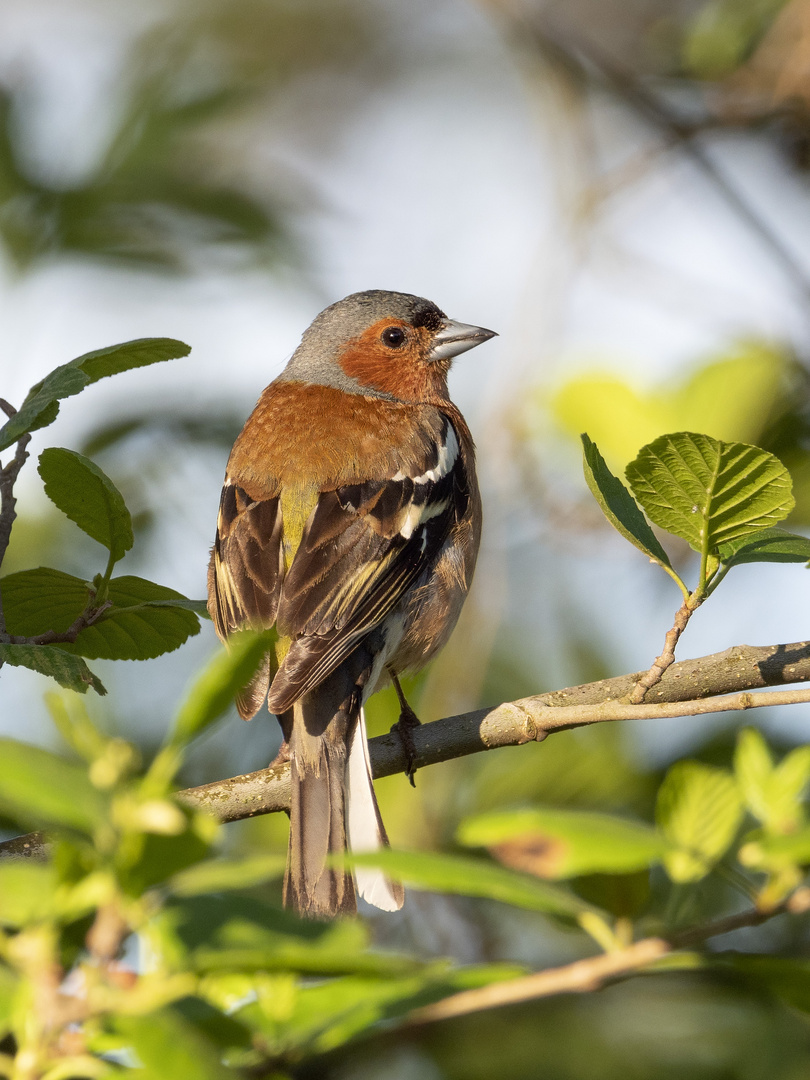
(349, 521)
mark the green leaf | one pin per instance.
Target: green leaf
(709, 492)
(554, 843)
(219, 875)
(618, 505)
(40, 788)
(69, 671)
(26, 892)
(144, 620)
(473, 877)
(41, 405)
(214, 690)
(170, 1047)
(698, 811)
(141, 352)
(88, 497)
(770, 545)
(772, 793)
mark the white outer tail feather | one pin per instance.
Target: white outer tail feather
(363, 825)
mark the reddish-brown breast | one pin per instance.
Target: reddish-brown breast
(303, 434)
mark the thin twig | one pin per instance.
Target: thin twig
(587, 975)
(88, 617)
(667, 657)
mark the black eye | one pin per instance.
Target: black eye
(393, 336)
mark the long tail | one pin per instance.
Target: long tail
(333, 805)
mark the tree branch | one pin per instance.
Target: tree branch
(8, 503)
(688, 688)
(591, 974)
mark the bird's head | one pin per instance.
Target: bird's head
(384, 343)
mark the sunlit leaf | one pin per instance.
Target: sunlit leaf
(709, 492)
(40, 788)
(618, 505)
(698, 811)
(80, 489)
(68, 670)
(42, 403)
(473, 877)
(553, 843)
(772, 793)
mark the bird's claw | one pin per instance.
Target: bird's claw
(404, 727)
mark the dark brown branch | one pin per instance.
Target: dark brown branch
(683, 690)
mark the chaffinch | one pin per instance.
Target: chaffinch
(350, 519)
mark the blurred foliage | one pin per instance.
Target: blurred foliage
(180, 173)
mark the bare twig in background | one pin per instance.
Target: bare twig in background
(688, 688)
(593, 64)
(591, 974)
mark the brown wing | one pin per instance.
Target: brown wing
(364, 545)
(244, 577)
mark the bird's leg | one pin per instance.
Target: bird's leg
(408, 720)
(282, 757)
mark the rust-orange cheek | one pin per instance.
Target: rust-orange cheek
(401, 372)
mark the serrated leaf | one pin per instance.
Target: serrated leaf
(214, 690)
(82, 491)
(143, 621)
(42, 789)
(618, 505)
(68, 670)
(473, 877)
(698, 811)
(709, 492)
(553, 843)
(770, 545)
(41, 405)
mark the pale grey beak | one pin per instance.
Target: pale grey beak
(457, 337)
